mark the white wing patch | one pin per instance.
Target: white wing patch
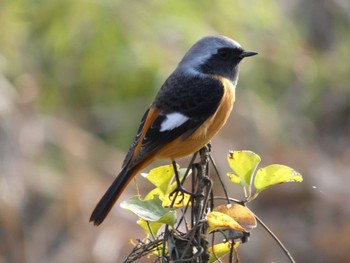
(172, 121)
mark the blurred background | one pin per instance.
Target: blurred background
(77, 75)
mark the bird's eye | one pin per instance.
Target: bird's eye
(224, 53)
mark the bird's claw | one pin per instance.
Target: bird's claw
(179, 190)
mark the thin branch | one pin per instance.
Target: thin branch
(189, 167)
(279, 242)
(268, 230)
(220, 178)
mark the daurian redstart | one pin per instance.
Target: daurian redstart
(190, 108)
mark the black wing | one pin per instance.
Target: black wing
(196, 98)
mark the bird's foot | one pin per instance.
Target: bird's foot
(178, 195)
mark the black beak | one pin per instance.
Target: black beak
(248, 54)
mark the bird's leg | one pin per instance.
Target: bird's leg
(179, 188)
(177, 177)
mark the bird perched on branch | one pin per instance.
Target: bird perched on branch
(190, 108)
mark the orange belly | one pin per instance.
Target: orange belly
(202, 136)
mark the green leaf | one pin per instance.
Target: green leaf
(275, 174)
(244, 164)
(161, 177)
(150, 210)
(151, 228)
(152, 193)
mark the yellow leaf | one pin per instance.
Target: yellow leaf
(152, 193)
(217, 220)
(275, 174)
(241, 214)
(235, 178)
(181, 200)
(244, 164)
(161, 177)
(219, 250)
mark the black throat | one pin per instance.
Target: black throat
(225, 68)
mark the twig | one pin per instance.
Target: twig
(219, 176)
(279, 242)
(268, 230)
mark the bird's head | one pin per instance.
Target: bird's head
(215, 55)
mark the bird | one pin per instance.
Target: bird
(190, 108)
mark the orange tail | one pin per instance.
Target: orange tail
(111, 196)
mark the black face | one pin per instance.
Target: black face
(224, 63)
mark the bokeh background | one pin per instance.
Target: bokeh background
(77, 75)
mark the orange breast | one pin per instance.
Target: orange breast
(178, 148)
